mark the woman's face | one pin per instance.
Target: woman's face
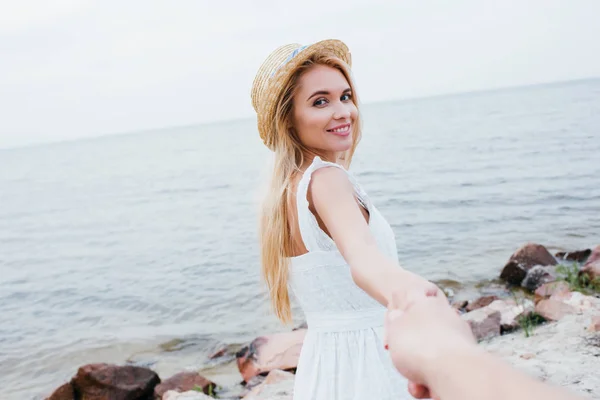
(323, 111)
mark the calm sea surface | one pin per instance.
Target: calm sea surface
(143, 247)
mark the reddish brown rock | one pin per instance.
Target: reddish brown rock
(481, 302)
(220, 352)
(595, 325)
(484, 322)
(525, 258)
(553, 309)
(105, 381)
(182, 382)
(592, 270)
(592, 266)
(577, 256)
(594, 256)
(532, 254)
(266, 353)
(550, 289)
(65, 392)
(513, 273)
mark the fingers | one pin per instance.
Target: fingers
(418, 391)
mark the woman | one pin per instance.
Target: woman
(321, 235)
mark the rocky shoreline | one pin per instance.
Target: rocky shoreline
(544, 319)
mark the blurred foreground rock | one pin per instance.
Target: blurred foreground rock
(106, 381)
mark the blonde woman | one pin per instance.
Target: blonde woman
(321, 235)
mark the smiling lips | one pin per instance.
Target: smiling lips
(340, 130)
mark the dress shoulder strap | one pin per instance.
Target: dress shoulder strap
(314, 238)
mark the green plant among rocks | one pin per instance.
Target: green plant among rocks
(577, 281)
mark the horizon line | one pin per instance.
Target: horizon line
(371, 103)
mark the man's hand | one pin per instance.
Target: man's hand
(419, 329)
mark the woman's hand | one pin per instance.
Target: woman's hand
(412, 283)
(419, 331)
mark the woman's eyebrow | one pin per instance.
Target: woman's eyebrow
(325, 92)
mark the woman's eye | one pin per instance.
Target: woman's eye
(346, 97)
(320, 102)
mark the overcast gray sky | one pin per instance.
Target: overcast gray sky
(74, 68)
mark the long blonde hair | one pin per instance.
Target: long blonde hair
(275, 230)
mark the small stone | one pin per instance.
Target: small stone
(460, 305)
(553, 310)
(183, 382)
(220, 352)
(484, 322)
(481, 302)
(577, 256)
(527, 356)
(550, 289)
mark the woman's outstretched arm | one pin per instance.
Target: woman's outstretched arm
(333, 199)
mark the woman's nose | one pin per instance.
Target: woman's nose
(341, 111)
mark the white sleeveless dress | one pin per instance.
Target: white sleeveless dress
(343, 355)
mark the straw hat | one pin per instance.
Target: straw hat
(275, 72)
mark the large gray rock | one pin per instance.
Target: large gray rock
(537, 276)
